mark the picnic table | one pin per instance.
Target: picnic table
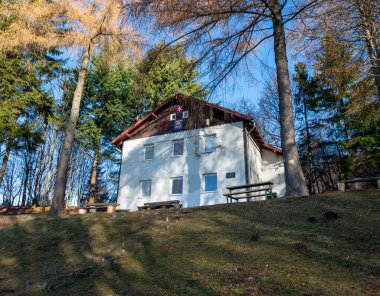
(250, 191)
(93, 207)
(161, 204)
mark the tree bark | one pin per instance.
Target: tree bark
(374, 56)
(5, 162)
(58, 204)
(93, 178)
(294, 177)
(50, 171)
(70, 188)
(371, 36)
(25, 186)
(309, 150)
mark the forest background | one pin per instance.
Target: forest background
(334, 64)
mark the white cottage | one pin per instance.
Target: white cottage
(190, 150)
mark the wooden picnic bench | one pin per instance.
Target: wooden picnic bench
(251, 191)
(358, 183)
(92, 208)
(161, 204)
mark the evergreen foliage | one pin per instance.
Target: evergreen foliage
(350, 108)
(113, 99)
(109, 105)
(338, 115)
(25, 102)
(163, 71)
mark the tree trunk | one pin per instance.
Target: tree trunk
(58, 204)
(309, 150)
(371, 36)
(93, 179)
(374, 59)
(40, 168)
(294, 177)
(23, 202)
(4, 163)
(71, 185)
(50, 171)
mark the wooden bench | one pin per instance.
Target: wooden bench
(358, 183)
(92, 208)
(250, 191)
(161, 204)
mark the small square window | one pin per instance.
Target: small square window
(185, 114)
(149, 152)
(210, 143)
(177, 185)
(146, 187)
(173, 117)
(210, 182)
(178, 147)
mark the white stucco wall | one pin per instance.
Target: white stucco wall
(265, 166)
(229, 157)
(254, 161)
(273, 170)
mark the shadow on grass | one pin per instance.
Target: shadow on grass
(90, 255)
(209, 251)
(346, 249)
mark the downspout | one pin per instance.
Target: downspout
(245, 153)
(121, 161)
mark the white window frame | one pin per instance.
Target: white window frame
(173, 117)
(142, 191)
(171, 185)
(205, 143)
(183, 149)
(145, 148)
(185, 114)
(204, 182)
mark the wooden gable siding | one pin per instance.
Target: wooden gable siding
(197, 119)
(157, 122)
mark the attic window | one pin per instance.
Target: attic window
(149, 152)
(210, 144)
(219, 115)
(178, 146)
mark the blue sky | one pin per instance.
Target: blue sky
(248, 85)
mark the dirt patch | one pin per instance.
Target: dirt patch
(251, 291)
(62, 279)
(312, 220)
(28, 210)
(330, 215)
(16, 218)
(255, 237)
(302, 248)
(192, 283)
(7, 292)
(372, 289)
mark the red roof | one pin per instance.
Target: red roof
(128, 133)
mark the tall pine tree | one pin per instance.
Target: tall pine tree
(351, 111)
(163, 71)
(24, 102)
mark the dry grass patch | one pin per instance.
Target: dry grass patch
(241, 249)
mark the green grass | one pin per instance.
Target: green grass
(262, 248)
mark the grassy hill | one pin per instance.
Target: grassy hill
(282, 247)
